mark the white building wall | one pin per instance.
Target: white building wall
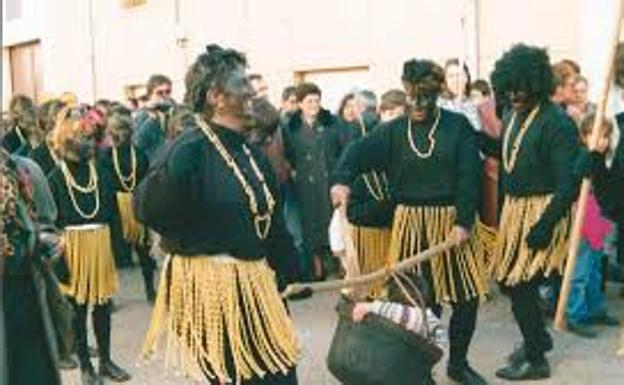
(284, 36)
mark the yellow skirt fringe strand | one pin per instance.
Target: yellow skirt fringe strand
(513, 262)
(89, 256)
(372, 246)
(457, 275)
(133, 231)
(211, 307)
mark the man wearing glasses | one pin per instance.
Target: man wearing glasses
(151, 121)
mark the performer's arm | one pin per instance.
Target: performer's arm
(162, 199)
(469, 165)
(372, 152)
(562, 149)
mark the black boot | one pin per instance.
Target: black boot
(113, 372)
(102, 329)
(465, 375)
(89, 377)
(525, 370)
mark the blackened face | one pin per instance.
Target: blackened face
(238, 95)
(81, 147)
(421, 100)
(521, 101)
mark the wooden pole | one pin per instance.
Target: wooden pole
(575, 238)
(371, 277)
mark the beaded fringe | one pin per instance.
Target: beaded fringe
(133, 231)
(93, 277)
(371, 246)
(512, 261)
(221, 314)
(456, 275)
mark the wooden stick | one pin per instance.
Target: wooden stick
(575, 238)
(338, 284)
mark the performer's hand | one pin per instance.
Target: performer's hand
(359, 312)
(459, 235)
(340, 195)
(539, 237)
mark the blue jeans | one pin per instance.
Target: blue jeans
(586, 299)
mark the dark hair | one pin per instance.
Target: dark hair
(562, 71)
(254, 76)
(209, 72)
(481, 86)
(47, 114)
(181, 117)
(423, 71)
(455, 62)
(155, 81)
(410, 283)
(120, 127)
(587, 124)
(288, 91)
(523, 68)
(266, 117)
(305, 89)
(392, 99)
(343, 102)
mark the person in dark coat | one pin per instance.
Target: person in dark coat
(28, 338)
(313, 143)
(151, 122)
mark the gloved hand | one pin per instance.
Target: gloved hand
(539, 236)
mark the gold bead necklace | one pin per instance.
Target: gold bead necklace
(431, 136)
(509, 162)
(262, 221)
(92, 187)
(127, 182)
(376, 187)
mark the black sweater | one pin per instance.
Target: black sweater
(67, 214)
(449, 177)
(125, 164)
(193, 199)
(545, 162)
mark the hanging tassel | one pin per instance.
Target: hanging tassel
(456, 275)
(133, 231)
(512, 261)
(213, 307)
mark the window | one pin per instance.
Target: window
(335, 82)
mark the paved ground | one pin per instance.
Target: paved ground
(575, 361)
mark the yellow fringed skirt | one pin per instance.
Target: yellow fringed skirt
(371, 246)
(89, 256)
(223, 319)
(133, 231)
(456, 275)
(512, 261)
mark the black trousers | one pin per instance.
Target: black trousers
(525, 305)
(101, 317)
(461, 329)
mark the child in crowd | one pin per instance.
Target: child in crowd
(586, 305)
